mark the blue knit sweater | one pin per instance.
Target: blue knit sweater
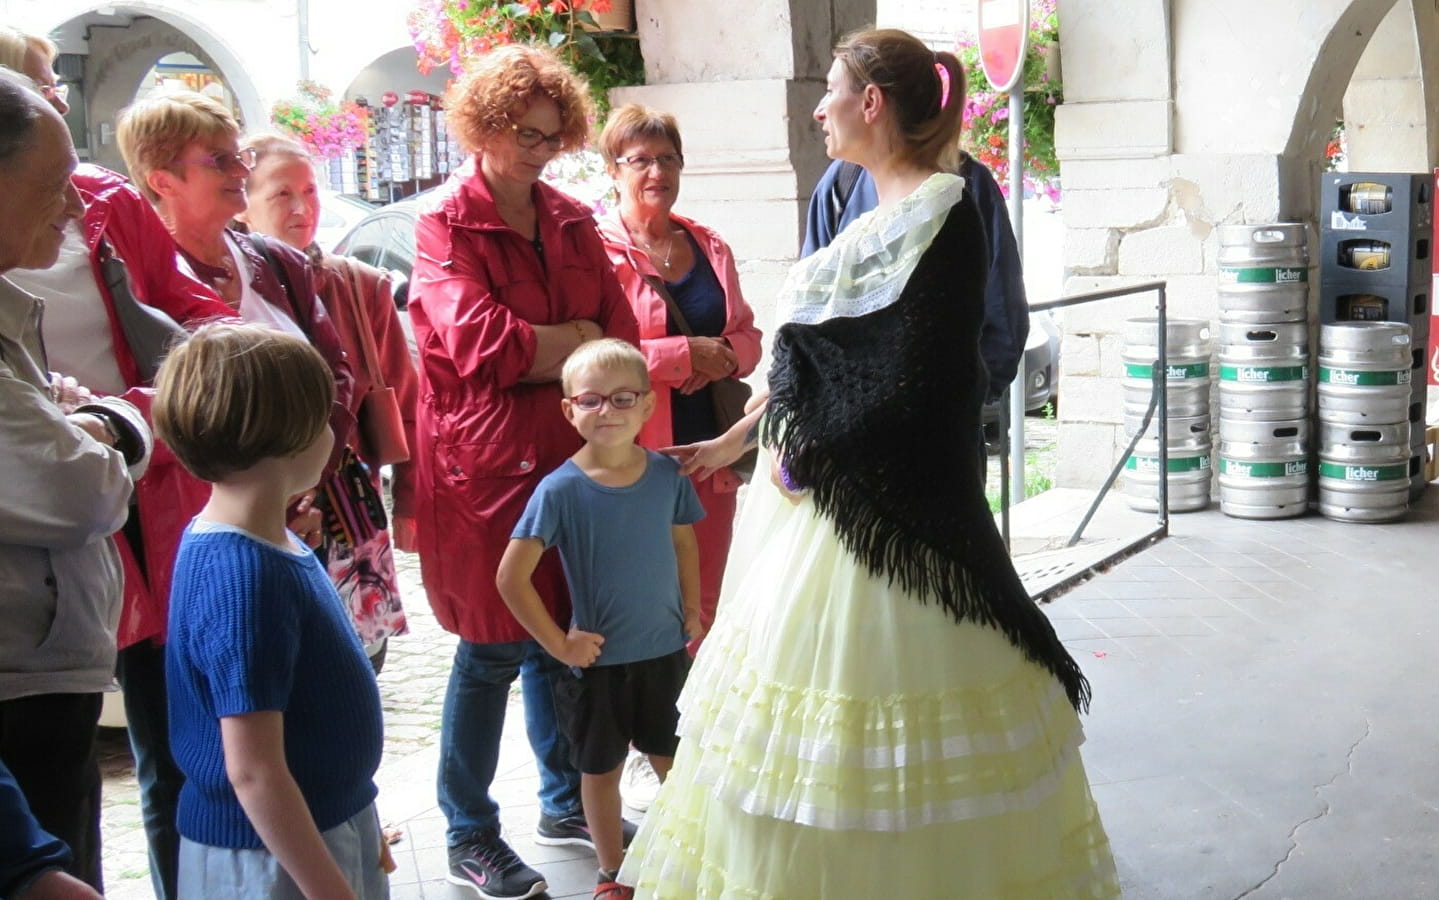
(255, 628)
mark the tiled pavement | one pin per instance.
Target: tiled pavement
(1265, 719)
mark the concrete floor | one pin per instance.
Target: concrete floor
(1265, 718)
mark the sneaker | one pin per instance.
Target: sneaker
(571, 830)
(639, 784)
(491, 869)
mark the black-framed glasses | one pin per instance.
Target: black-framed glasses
(643, 163)
(530, 138)
(617, 400)
(221, 161)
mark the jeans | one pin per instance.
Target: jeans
(48, 742)
(141, 670)
(470, 728)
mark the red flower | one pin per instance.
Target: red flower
(558, 6)
(601, 6)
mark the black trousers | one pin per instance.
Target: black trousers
(48, 741)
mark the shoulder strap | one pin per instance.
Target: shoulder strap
(263, 248)
(844, 181)
(674, 308)
(362, 325)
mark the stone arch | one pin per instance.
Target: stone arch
(121, 63)
(394, 71)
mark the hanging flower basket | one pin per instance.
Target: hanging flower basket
(330, 130)
(450, 32)
(986, 111)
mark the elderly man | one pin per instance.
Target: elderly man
(66, 489)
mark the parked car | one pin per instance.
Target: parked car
(386, 240)
(338, 214)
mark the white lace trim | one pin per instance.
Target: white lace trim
(869, 262)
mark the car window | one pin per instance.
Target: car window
(366, 243)
(400, 243)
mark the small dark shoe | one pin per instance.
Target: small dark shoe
(487, 866)
(571, 830)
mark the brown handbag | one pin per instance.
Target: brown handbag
(381, 424)
(729, 395)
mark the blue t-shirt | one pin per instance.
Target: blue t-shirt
(254, 628)
(619, 554)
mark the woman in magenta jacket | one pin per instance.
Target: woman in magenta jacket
(646, 242)
(509, 278)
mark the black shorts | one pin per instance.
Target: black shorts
(606, 708)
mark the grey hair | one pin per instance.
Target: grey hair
(20, 109)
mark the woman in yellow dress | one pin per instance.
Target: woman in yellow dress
(879, 710)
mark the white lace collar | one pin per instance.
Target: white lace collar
(868, 264)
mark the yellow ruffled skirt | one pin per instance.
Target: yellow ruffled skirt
(841, 740)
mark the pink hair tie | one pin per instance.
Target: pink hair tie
(943, 84)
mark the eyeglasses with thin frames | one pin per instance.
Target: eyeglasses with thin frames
(618, 400)
(58, 91)
(221, 161)
(529, 138)
(643, 163)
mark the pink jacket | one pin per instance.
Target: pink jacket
(668, 355)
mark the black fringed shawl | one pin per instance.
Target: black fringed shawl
(879, 415)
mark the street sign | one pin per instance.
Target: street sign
(1003, 33)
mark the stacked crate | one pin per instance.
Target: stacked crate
(1376, 266)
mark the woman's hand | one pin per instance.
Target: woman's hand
(710, 360)
(776, 475)
(306, 520)
(705, 458)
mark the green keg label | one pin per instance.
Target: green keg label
(1359, 378)
(1182, 464)
(1263, 374)
(1339, 472)
(1173, 373)
(1242, 469)
(1263, 275)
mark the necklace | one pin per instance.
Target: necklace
(650, 248)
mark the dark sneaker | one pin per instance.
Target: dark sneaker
(571, 830)
(491, 869)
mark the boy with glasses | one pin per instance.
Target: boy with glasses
(622, 519)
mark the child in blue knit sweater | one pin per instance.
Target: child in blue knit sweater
(274, 713)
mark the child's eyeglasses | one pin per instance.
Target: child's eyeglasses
(617, 400)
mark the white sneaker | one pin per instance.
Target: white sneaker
(639, 783)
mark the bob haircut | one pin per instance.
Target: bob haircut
(231, 395)
(499, 87)
(607, 355)
(905, 70)
(153, 133)
(635, 122)
(15, 44)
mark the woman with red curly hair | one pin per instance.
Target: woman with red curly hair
(510, 277)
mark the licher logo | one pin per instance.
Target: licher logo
(1288, 276)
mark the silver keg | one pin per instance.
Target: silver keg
(1187, 375)
(1263, 468)
(1263, 273)
(1263, 371)
(1189, 473)
(1181, 429)
(1363, 471)
(1364, 373)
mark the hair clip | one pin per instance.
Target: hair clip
(943, 84)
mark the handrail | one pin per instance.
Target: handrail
(1158, 401)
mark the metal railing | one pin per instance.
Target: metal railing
(1158, 402)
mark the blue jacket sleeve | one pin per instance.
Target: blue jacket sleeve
(1006, 308)
(820, 226)
(26, 852)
